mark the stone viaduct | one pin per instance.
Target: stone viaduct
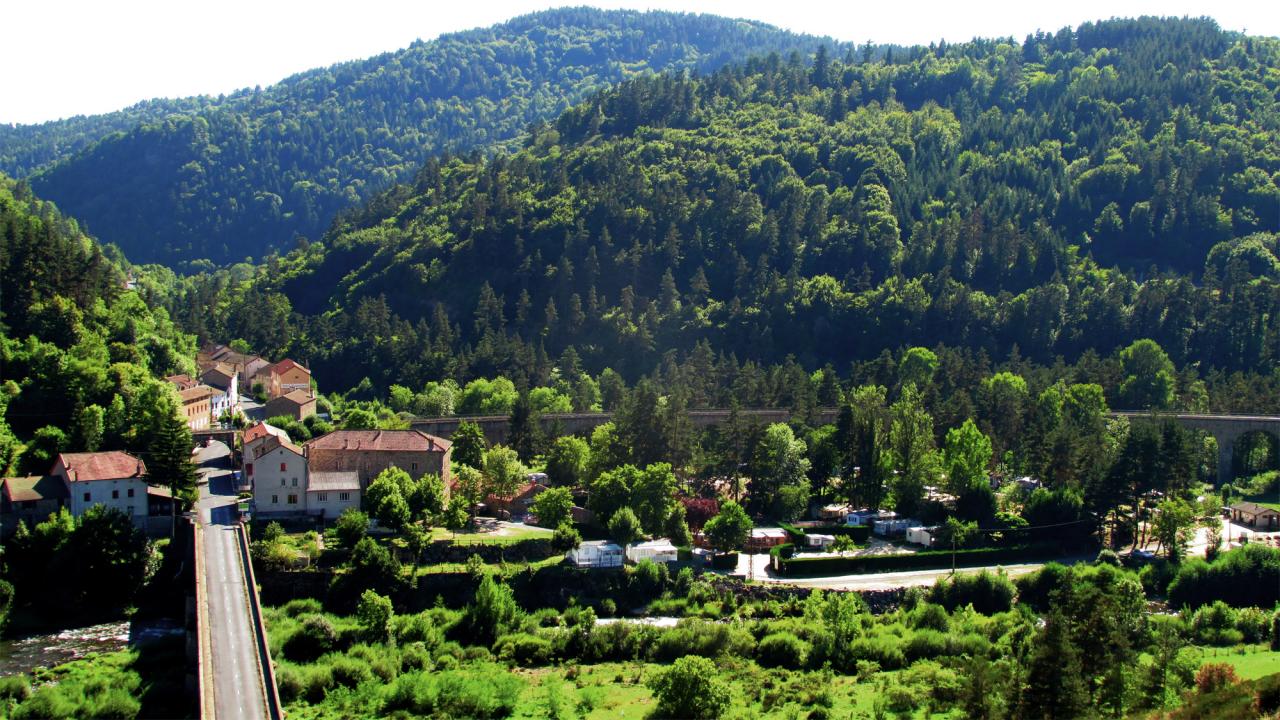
(1226, 429)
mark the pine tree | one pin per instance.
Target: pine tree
(1054, 687)
(169, 462)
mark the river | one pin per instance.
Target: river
(22, 655)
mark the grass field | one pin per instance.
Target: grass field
(504, 535)
(1250, 662)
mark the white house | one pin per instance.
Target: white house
(114, 479)
(596, 554)
(819, 540)
(279, 477)
(252, 439)
(331, 493)
(660, 551)
(921, 535)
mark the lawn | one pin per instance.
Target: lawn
(503, 534)
(1251, 662)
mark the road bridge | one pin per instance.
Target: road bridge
(237, 678)
(1225, 429)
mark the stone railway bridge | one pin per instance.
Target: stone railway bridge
(1226, 429)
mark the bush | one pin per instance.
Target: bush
(707, 639)
(648, 578)
(351, 527)
(315, 638)
(691, 688)
(1245, 577)
(987, 592)
(301, 606)
(524, 649)
(1212, 677)
(1216, 625)
(15, 688)
(1254, 624)
(782, 649)
(479, 691)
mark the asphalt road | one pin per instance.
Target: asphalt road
(237, 676)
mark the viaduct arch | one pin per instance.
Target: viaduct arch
(1226, 429)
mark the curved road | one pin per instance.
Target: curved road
(238, 690)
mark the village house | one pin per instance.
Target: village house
(244, 366)
(282, 378)
(181, 382)
(251, 439)
(223, 378)
(30, 499)
(329, 494)
(279, 477)
(296, 404)
(369, 452)
(115, 479)
(517, 506)
(1256, 516)
(197, 406)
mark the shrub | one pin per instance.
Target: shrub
(479, 691)
(929, 616)
(691, 688)
(1216, 625)
(348, 671)
(988, 593)
(15, 688)
(707, 639)
(1245, 577)
(315, 638)
(301, 606)
(1254, 624)
(524, 649)
(782, 649)
(1212, 677)
(649, 578)
(351, 527)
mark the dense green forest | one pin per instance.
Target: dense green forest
(80, 354)
(1048, 200)
(238, 176)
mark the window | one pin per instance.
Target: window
(321, 497)
(413, 466)
(293, 499)
(295, 482)
(86, 497)
(248, 468)
(275, 499)
(115, 494)
(130, 492)
(282, 482)
(344, 497)
(283, 467)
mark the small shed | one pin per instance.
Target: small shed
(833, 512)
(819, 541)
(659, 551)
(921, 535)
(596, 554)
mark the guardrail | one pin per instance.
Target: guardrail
(204, 656)
(271, 692)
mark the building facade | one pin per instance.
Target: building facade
(279, 477)
(114, 479)
(369, 452)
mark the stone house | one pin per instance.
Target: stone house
(284, 377)
(197, 406)
(30, 499)
(296, 404)
(369, 452)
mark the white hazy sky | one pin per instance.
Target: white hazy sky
(69, 57)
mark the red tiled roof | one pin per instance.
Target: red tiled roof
(114, 465)
(34, 488)
(195, 394)
(391, 440)
(287, 365)
(297, 397)
(274, 442)
(262, 430)
(182, 382)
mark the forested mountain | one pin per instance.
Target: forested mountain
(233, 177)
(1062, 196)
(81, 354)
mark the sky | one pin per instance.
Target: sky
(72, 57)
